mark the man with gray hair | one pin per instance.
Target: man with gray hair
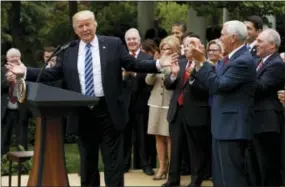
(268, 111)
(144, 144)
(232, 87)
(12, 115)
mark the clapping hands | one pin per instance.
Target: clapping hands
(17, 68)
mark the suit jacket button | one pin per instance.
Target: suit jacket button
(160, 93)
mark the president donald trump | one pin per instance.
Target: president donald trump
(232, 87)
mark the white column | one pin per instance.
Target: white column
(196, 24)
(225, 15)
(146, 15)
(272, 21)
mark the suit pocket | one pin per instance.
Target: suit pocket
(229, 110)
(229, 118)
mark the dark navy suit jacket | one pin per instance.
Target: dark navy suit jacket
(268, 110)
(232, 87)
(113, 56)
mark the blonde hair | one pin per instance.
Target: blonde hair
(173, 42)
(84, 14)
(216, 42)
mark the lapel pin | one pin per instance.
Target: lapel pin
(104, 47)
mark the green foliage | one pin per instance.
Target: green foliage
(26, 166)
(171, 12)
(240, 9)
(116, 18)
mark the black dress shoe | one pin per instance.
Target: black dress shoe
(170, 184)
(148, 170)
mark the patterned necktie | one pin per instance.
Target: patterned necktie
(185, 78)
(226, 59)
(89, 82)
(259, 65)
(12, 98)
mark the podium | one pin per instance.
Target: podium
(48, 104)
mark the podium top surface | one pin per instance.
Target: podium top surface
(42, 95)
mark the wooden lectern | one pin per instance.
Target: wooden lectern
(48, 104)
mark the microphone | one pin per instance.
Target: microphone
(62, 48)
(56, 52)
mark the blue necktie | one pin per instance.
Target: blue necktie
(89, 82)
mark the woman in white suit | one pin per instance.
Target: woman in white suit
(158, 107)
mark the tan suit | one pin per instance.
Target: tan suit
(158, 105)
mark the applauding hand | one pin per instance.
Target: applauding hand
(175, 68)
(17, 68)
(167, 60)
(281, 96)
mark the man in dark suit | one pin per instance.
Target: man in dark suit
(232, 87)
(93, 67)
(189, 113)
(254, 25)
(268, 117)
(144, 145)
(13, 114)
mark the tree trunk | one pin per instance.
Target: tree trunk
(73, 8)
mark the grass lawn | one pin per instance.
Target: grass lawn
(71, 155)
(72, 159)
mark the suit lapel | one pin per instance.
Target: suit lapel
(265, 64)
(103, 55)
(233, 57)
(73, 57)
(182, 72)
(140, 55)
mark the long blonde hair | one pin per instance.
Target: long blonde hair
(173, 42)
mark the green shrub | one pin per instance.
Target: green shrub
(26, 166)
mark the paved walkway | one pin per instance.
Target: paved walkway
(132, 178)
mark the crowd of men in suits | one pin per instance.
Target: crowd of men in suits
(225, 114)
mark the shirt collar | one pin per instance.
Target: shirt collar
(252, 44)
(234, 51)
(137, 52)
(94, 44)
(265, 58)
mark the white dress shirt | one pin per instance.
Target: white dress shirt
(137, 53)
(97, 75)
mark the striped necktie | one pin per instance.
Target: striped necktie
(89, 82)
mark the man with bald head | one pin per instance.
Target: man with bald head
(144, 144)
(92, 67)
(268, 118)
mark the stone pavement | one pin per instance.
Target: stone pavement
(132, 178)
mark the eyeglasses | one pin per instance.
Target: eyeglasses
(213, 50)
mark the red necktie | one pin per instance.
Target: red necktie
(226, 59)
(185, 78)
(134, 54)
(13, 99)
(259, 65)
